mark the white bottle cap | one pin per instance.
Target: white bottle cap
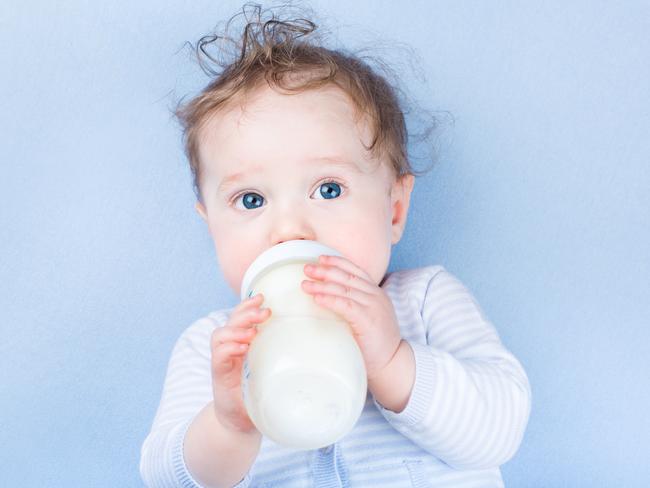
(296, 249)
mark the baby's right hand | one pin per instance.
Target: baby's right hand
(229, 345)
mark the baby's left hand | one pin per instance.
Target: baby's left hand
(347, 290)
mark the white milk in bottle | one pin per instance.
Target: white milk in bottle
(304, 379)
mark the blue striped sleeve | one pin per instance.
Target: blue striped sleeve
(471, 398)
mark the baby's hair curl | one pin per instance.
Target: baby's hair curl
(289, 55)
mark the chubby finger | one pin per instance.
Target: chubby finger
(351, 310)
(248, 316)
(346, 265)
(223, 356)
(224, 335)
(338, 289)
(255, 300)
(332, 272)
(225, 351)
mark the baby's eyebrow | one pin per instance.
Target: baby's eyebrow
(336, 161)
(229, 180)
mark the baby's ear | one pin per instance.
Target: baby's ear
(200, 208)
(401, 197)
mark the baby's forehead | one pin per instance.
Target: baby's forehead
(320, 121)
(327, 100)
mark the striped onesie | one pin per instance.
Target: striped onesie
(466, 415)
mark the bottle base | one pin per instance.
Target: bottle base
(308, 410)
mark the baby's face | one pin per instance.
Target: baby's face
(294, 167)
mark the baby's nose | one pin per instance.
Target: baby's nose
(290, 221)
(292, 239)
(295, 238)
(296, 235)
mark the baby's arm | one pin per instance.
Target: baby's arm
(209, 449)
(161, 457)
(471, 399)
(186, 416)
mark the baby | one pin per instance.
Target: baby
(295, 141)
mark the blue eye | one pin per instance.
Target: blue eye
(333, 191)
(251, 200)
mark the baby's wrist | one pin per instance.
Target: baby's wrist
(392, 386)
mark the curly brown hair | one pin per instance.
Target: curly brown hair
(277, 52)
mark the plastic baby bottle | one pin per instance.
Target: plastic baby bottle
(303, 380)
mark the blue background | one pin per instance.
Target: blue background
(539, 204)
